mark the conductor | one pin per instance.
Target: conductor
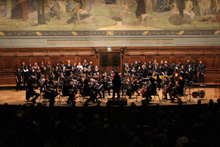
(116, 85)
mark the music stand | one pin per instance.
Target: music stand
(190, 86)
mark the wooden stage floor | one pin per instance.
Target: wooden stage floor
(13, 97)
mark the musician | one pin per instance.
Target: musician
(182, 72)
(135, 65)
(178, 89)
(172, 68)
(144, 70)
(133, 71)
(180, 64)
(150, 63)
(18, 78)
(160, 69)
(116, 85)
(68, 68)
(150, 90)
(44, 70)
(79, 66)
(189, 73)
(33, 73)
(63, 73)
(57, 73)
(26, 76)
(85, 70)
(90, 71)
(22, 67)
(50, 90)
(131, 65)
(96, 69)
(187, 65)
(42, 66)
(99, 87)
(89, 92)
(35, 66)
(30, 92)
(139, 72)
(161, 64)
(48, 69)
(29, 68)
(73, 69)
(41, 82)
(127, 70)
(68, 90)
(168, 86)
(201, 71)
(150, 70)
(157, 70)
(91, 66)
(194, 67)
(124, 65)
(133, 88)
(85, 64)
(139, 64)
(38, 74)
(166, 68)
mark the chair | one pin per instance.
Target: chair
(61, 97)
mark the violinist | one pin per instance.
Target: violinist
(150, 90)
(68, 90)
(50, 91)
(168, 85)
(133, 87)
(30, 92)
(89, 92)
(99, 87)
(177, 89)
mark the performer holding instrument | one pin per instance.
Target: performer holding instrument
(149, 90)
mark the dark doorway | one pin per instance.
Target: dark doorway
(109, 61)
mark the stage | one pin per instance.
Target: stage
(13, 97)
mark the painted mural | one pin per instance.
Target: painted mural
(109, 15)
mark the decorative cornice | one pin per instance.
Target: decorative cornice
(111, 33)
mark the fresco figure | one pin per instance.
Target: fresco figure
(180, 5)
(70, 6)
(188, 11)
(91, 4)
(54, 11)
(204, 7)
(141, 9)
(149, 5)
(164, 6)
(8, 7)
(24, 6)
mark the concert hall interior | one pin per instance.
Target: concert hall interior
(109, 73)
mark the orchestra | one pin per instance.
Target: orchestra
(86, 79)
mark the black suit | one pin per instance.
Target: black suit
(116, 85)
(194, 67)
(201, 71)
